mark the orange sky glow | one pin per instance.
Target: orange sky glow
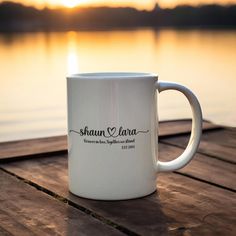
(140, 4)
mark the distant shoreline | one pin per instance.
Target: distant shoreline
(15, 17)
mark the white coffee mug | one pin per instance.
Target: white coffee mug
(112, 134)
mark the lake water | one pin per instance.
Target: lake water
(33, 67)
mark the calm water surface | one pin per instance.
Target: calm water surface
(33, 67)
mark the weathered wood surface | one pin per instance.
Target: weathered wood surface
(207, 169)
(40, 146)
(177, 127)
(197, 200)
(25, 211)
(219, 144)
(43, 146)
(181, 204)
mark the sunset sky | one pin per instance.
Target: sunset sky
(141, 4)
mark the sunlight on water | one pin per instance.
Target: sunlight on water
(72, 55)
(34, 67)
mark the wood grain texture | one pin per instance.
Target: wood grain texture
(207, 169)
(42, 146)
(17, 149)
(182, 206)
(177, 127)
(220, 144)
(26, 211)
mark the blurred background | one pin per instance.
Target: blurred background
(192, 42)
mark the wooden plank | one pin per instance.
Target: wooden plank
(218, 143)
(176, 127)
(27, 211)
(17, 149)
(41, 146)
(207, 169)
(182, 206)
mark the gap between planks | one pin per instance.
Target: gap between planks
(219, 144)
(204, 181)
(71, 203)
(175, 225)
(80, 207)
(72, 218)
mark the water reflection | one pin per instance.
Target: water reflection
(34, 67)
(72, 56)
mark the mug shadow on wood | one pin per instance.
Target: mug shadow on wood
(136, 215)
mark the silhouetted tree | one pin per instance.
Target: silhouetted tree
(17, 17)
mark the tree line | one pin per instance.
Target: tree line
(17, 17)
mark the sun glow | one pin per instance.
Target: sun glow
(72, 54)
(140, 4)
(71, 3)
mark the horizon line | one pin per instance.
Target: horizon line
(59, 7)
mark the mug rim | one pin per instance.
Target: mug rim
(113, 75)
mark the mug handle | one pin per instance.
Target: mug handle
(196, 131)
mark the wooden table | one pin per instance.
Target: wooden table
(196, 200)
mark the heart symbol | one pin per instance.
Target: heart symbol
(111, 131)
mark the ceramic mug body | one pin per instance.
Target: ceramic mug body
(112, 135)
